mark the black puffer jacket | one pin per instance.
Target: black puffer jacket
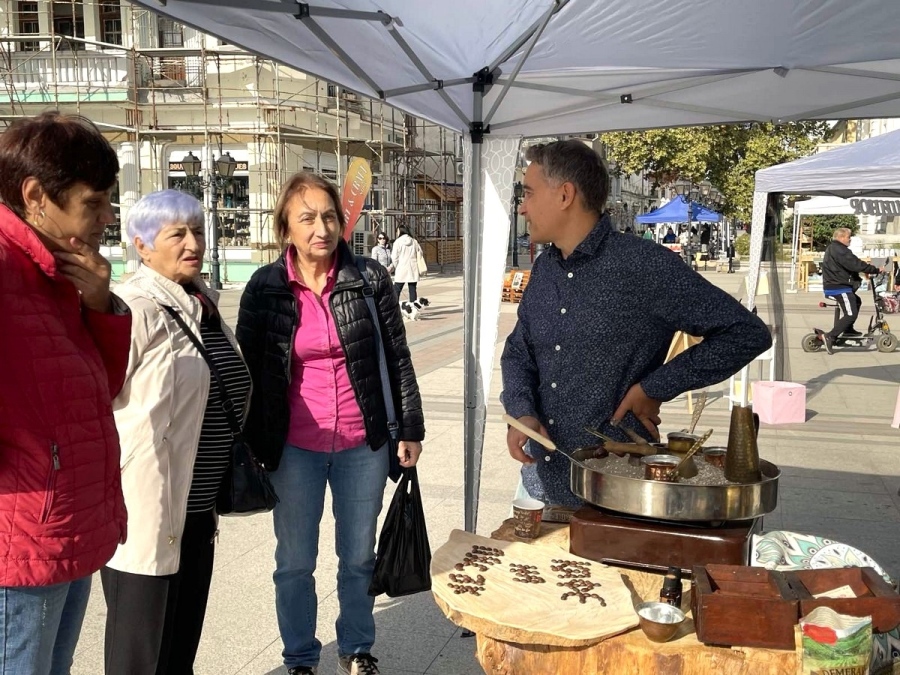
(841, 268)
(266, 324)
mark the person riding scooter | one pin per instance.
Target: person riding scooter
(840, 281)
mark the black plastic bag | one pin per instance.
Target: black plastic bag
(403, 560)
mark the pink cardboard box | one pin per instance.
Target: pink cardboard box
(779, 402)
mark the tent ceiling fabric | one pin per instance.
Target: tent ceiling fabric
(681, 62)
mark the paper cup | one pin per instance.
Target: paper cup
(527, 514)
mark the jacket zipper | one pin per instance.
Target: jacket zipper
(290, 350)
(50, 490)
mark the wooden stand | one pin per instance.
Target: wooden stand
(630, 652)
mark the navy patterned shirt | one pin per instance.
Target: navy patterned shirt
(592, 325)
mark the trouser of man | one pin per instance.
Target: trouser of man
(845, 313)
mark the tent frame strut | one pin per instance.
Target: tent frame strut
(417, 62)
(532, 41)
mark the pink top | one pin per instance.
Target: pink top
(325, 416)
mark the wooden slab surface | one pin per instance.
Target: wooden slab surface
(530, 613)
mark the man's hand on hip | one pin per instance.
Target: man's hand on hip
(643, 407)
(516, 440)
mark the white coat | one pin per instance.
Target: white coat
(159, 413)
(405, 254)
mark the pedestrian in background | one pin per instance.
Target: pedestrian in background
(176, 443)
(64, 343)
(381, 252)
(405, 254)
(317, 416)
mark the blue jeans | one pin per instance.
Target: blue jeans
(357, 478)
(39, 627)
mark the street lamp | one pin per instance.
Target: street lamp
(223, 170)
(689, 191)
(518, 194)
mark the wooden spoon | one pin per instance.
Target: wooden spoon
(531, 433)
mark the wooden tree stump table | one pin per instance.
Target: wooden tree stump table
(625, 654)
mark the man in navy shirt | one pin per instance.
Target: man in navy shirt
(596, 322)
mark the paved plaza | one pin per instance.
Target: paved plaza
(840, 479)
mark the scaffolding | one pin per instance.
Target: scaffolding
(148, 81)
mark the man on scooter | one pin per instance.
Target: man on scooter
(840, 280)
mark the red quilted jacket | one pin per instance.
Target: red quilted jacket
(61, 508)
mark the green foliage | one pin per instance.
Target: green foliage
(727, 155)
(742, 245)
(823, 228)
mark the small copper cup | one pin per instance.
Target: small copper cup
(715, 456)
(661, 468)
(680, 442)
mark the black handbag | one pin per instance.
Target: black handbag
(246, 488)
(403, 559)
(395, 470)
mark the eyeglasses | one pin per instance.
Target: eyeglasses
(380, 238)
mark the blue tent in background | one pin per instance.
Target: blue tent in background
(676, 211)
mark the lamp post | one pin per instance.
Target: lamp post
(685, 188)
(222, 172)
(518, 193)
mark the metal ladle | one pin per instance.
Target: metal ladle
(687, 468)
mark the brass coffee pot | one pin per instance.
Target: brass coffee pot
(742, 458)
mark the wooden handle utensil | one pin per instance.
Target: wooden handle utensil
(531, 433)
(690, 453)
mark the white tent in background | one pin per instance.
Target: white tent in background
(847, 179)
(817, 206)
(498, 71)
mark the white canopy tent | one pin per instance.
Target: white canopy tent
(817, 206)
(498, 71)
(862, 170)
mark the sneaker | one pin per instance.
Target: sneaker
(829, 343)
(358, 664)
(303, 670)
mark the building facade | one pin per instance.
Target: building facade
(159, 90)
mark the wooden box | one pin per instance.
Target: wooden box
(743, 606)
(873, 595)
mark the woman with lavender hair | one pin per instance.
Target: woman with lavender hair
(176, 443)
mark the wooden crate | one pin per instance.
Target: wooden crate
(514, 284)
(742, 606)
(873, 596)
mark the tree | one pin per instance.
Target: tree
(727, 155)
(823, 228)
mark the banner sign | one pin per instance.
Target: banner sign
(875, 207)
(356, 188)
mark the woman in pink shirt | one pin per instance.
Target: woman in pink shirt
(317, 415)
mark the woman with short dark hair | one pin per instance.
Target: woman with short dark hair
(64, 343)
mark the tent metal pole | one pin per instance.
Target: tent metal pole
(795, 252)
(473, 420)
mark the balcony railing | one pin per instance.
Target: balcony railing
(83, 70)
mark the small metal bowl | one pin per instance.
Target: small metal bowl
(660, 467)
(680, 442)
(659, 620)
(715, 456)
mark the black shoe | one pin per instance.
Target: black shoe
(357, 664)
(829, 343)
(851, 333)
(302, 670)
